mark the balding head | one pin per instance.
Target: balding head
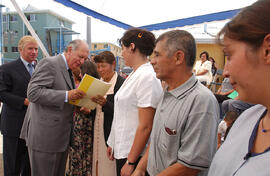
(76, 53)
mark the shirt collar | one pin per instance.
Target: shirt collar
(134, 72)
(183, 89)
(147, 64)
(25, 62)
(65, 60)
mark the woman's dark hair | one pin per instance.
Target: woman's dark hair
(230, 116)
(89, 68)
(211, 58)
(76, 73)
(144, 40)
(105, 56)
(206, 53)
(250, 25)
(214, 68)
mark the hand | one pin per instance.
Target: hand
(222, 93)
(99, 100)
(75, 94)
(138, 172)
(110, 153)
(85, 110)
(26, 102)
(127, 170)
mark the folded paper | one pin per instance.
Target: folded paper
(92, 87)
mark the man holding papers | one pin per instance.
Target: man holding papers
(48, 121)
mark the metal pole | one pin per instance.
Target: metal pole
(88, 31)
(30, 28)
(60, 40)
(23, 29)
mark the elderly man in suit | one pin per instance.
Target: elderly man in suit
(14, 79)
(48, 121)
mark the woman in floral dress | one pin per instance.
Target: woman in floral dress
(81, 145)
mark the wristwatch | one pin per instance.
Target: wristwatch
(129, 163)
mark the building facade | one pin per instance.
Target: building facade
(96, 48)
(54, 31)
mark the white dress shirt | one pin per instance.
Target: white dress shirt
(141, 89)
(65, 60)
(25, 63)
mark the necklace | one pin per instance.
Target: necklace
(264, 130)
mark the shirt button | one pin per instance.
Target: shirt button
(161, 110)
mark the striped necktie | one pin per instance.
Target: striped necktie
(31, 69)
(71, 78)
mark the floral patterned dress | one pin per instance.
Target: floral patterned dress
(81, 147)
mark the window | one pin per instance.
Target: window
(61, 22)
(4, 18)
(5, 38)
(5, 49)
(16, 33)
(13, 18)
(31, 17)
(14, 49)
(106, 46)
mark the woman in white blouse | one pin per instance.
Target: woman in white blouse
(134, 103)
(203, 68)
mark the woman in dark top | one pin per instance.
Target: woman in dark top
(104, 113)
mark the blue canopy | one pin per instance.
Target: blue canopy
(165, 25)
(192, 20)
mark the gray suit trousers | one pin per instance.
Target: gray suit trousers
(57, 161)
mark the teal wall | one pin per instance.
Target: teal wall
(42, 20)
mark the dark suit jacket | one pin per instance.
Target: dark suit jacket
(108, 108)
(14, 79)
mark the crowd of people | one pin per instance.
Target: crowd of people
(160, 120)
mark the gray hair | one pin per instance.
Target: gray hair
(180, 40)
(74, 44)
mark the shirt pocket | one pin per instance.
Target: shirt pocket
(169, 142)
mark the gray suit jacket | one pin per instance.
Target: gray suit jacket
(48, 120)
